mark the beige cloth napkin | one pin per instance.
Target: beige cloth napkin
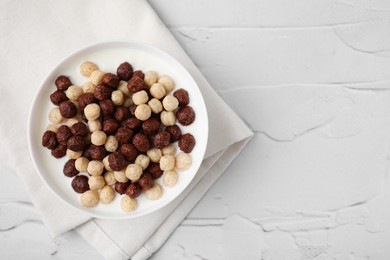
(34, 36)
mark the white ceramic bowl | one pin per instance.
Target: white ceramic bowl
(108, 56)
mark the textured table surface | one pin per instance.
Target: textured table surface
(312, 80)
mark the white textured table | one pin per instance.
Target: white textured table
(312, 80)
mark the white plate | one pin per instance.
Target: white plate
(108, 56)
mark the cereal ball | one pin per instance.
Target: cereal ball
(155, 105)
(57, 97)
(134, 190)
(139, 74)
(154, 193)
(170, 103)
(98, 138)
(154, 170)
(161, 139)
(154, 154)
(107, 164)
(76, 143)
(63, 83)
(80, 129)
(135, 84)
(185, 115)
(167, 118)
(132, 109)
(96, 77)
(124, 135)
(92, 111)
(63, 134)
(49, 140)
(102, 92)
(141, 142)
(111, 144)
(129, 152)
(107, 107)
(95, 168)
(124, 71)
(96, 182)
(128, 102)
(109, 178)
(183, 161)
(52, 128)
(146, 181)
(150, 78)
(110, 126)
(68, 109)
(117, 97)
(187, 143)
(110, 80)
(182, 96)
(122, 86)
(121, 187)
(170, 178)
(133, 172)
(71, 121)
(143, 161)
(85, 99)
(133, 123)
(94, 125)
(143, 112)
(120, 176)
(96, 152)
(80, 184)
(74, 92)
(167, 82)
(167, 162)
(128, 204)
(88, 87)
(69, 169)
(59, 151)
(55, 116)
(157, 91)
(81, 164)
(73, 154)
(151, 126)
(121, 113)
(116, 161)
(169, 150)
(175, 132)
(86, 68)
(89, 199)
(107, 194)
(140, 97)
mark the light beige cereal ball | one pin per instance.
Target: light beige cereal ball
(117, 97)
(55, 116)
(89, 199)
(98, 138)
(72, 154)
(52, 128)
(169, 149)
(157, 91)
(143, 161)
(133, 172)
(128, 102)
(92, 111)
(154, 193)
(111, 144)
(109, 178)
(96, 182)
(94, 125)
(150, 78)
(168, 118)
(155, 105)
(167, 162)
(73, 92)
(170, 178)
(107, 194)
(154, 154)
(81, 164)
(143, 112)
(140, 97)
(96, 77)
(183, 161)
(71, 121)
(95, 167)
(107, 164)
(128, 204)
(120, 176)
(86, 68)
(88, 87)
(170, 103)
(167, 82)
(123, 87)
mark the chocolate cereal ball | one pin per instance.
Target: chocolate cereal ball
(175, 132)
(129, 152)
(161, 139)
(124, 135)
(154, 170)
(79, 129)
(76, 143)
(146, 181)
(68, 109)
(185, 115)
(139, 73)
(116, 161)
(96, 152)
(134, 190)
(132, 109)
(133, 123)
(187, 143)
(59, 151)
(182, 96)
(80, 184)
(49, 140)
(110, 80)
(121, 113)
(124, 71)
(151, 126)
(63, 134)
(141, 142)
(110, 126)
(121, 187)
(102, 92)
(135, 84)
(63, 83)
(107, 107)
(57, 97)
(85, 99)
(70, 168)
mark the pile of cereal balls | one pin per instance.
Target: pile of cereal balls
(119, 132)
